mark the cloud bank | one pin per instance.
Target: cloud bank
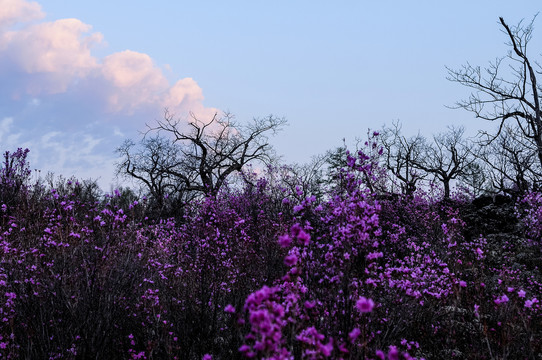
(70, 107)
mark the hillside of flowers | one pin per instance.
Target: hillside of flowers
(262, 271)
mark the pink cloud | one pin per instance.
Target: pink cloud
(18, 11)
(56, 57)
(134, 80)
(69, 106)
(129, 68)
(184, 91)
(186, 94)
(56, 49)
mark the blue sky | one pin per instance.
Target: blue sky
(79, 77)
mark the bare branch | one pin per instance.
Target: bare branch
(197, 156)
(507, 94)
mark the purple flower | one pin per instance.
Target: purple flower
(285, 240)
(365, 305)
(326, 349)
(501, 299)
(374, 255)
(140, 355)
(229, 309)
(131, 337)
(463, 283)
(393, 354)
(521, 293)
(530, 303)
(244, 348)
(304, 237)
(290, 260)
(354, 334)
(310, 304)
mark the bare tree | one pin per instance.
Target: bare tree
(511, 163)
(401, 155)
(200, 158)
(476, 181)
(305, 180)
(410, 160)
(507, 91)
(449, 157)
(151, 163)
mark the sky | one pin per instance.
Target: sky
(78, 78)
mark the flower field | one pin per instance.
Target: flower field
(262, 272)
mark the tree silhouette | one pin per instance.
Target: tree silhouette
(197, 156)
(507, 92)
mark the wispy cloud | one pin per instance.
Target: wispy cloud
(8, 137)
(53, 88)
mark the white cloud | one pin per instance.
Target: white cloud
(49, 56)
(7, 137)
(56, 58)
(18, 11)
(68, 104)
(5, 125)
(117, 132)
(74, 155)
(133, 79)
